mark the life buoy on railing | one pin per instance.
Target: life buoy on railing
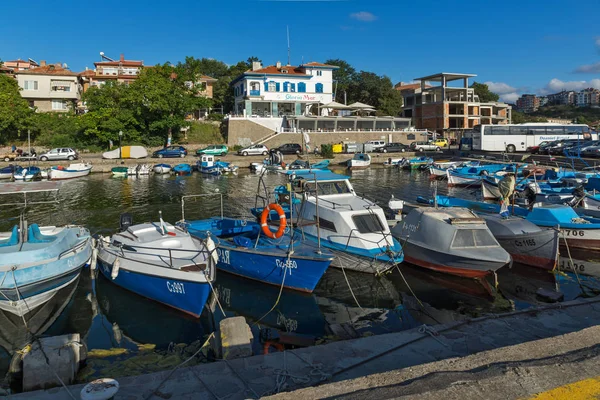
(282, 221)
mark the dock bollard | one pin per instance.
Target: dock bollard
(100, 389)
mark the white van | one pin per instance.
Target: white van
(371, 145)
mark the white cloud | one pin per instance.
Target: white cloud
(556, 85)
(363, 16)
(500, 87)
(510, 97)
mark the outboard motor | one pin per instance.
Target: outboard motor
(578, 196)
(125, 221)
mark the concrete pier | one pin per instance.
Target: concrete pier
(498, 356)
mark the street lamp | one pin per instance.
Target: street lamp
(120, 148)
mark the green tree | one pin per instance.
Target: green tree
(376, 91)
(15, 113)
(342, 78)
(483, 91)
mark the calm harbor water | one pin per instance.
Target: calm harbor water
(109, 317)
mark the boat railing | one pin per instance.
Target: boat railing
(195, 196)
(74, 249)
(334, 204)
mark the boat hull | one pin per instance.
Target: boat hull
(489, 191)
(448, 263)
(161, 170)
(302, 274)
(56, 174)
(184, 295)
(455, 179)
(538, 250)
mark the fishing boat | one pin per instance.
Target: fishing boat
(182, 169)
(469, 175)
(353, 228)
(303, 164)
(245, 250)
(144, 169)
(162, 168)
(417, 163)
(359, 161)
(37, 261)
(72, 171)
(451, 240)
(31, 173)
(207, 165)
(393, 162)
(161, 262)
(577, 232)
(120, 171)
(8, 171)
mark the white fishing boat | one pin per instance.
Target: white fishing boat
(161, 262)
(144, 169)
(359, 161)
(72, 171)
(162, 169)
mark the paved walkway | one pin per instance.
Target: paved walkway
(355, 360)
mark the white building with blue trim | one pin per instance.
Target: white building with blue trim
(283, 90)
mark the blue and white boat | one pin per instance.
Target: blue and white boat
(245, 251)
(70, 172)
(353, 228)
(36, 262)
(29, 173)
(161, 262)
(161, 169)
(182, 169)
(359, 161)
(208, 165)
(303, 164)
(469, 175)
(8, 171)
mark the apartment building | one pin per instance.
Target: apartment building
(587, 97)
(438, 104)
(528, 103)
(49, 87)
(565, 97)
(121, 70)
(22, 65)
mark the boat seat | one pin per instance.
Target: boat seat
(13, 240)
(35, 236)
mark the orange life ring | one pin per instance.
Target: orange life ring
(276, 345)
(282, 221)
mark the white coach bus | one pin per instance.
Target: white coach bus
(518, 137)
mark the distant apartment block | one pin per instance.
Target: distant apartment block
(565, 97)
(121, 70)
(49, 87)
(587, 97)
(21, 65)
(444, 108)
(543, 100)
(528, 103)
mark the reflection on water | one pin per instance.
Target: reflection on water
(108, 316)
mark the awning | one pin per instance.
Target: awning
(361, 106)
(336, 106)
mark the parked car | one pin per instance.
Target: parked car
(591, 151)
(579, 147)
(424, 146)
(544, 147)
(289, 148)
(536, 149)
(254, 150)
(375, 144)
(62, 153)
(559, 147)
(393, 148)
(214, 150)
(170, 152)
(441, 142)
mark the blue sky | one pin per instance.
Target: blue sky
(518, 47)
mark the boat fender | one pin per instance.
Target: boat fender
(212, 249)
(282, 221)
(271, 343)
(115, 269)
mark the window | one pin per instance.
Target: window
(319, 88)
(301, 87)
(319, 73)
(473, 238)
(30, 85)
(573, 130)
(286, 86)
(326, 188)
(60, 86)
(367, 223)
(292, 87)
(59, 105)
(325, 224)
(110, 70)
(272, 87)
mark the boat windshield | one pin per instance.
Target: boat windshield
(367, 223)
(473, 238)
(327, 188)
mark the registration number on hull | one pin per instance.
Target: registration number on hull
(176, 287)
(573, 232)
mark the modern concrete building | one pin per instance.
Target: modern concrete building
(565, 97)
(528, 103)
(278, 90)
(49, 88)
(587, 97)
(447, 108)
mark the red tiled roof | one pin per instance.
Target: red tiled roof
(410, 86)
(207, 78)
(48, 70)
(123, 63)
(272, 69)
(316, 64)
(89, 72)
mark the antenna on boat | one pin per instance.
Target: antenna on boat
(162, 223)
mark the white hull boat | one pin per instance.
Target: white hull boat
(162, 169)
(72, 171)
(359, 161)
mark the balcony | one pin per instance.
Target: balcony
(254, 92)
